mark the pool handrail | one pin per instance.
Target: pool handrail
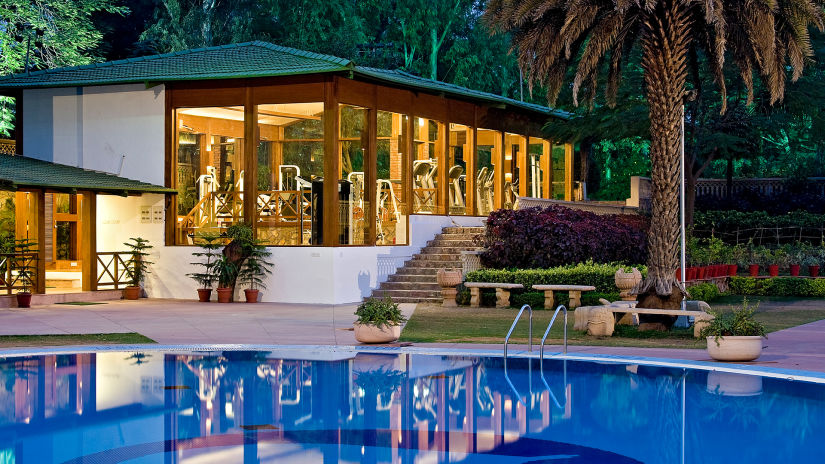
(512, 327)
(547, 332)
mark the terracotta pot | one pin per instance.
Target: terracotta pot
(204, 294)
(691, 273)
(813, 271)
(24, 300)
(251, 295)
(700, 272)
(224, 295)
(753, 270)
(735, 348)
(794, 268)
(773, 270)
(625, 281)
(131, 293)
(449, 278)
(368, 333)
(732, 269)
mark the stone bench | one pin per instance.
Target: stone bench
(582, 315)
(502, 292)
(574, 290)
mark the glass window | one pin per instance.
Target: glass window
(461, 144)
(209, 169)
(558, 172)
(487, 153)
(538, 153)
(428, 147)
(353, 144)
(515, 148)
(391, 205)
(290, 173)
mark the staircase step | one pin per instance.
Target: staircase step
(443, 250)
(437, 257)
(406, 293)
(430, 286)
(462, 230)
(458, 242)
(411, 278)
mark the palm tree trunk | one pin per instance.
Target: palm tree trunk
(664, 59)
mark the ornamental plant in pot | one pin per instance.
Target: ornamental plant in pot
(755, 259)
(734, 336)
(24, 264)
(226, 272)
(209, 243)
(779, 259)
(379, 321)
(795, 255)
(254, 270)
(138, 267)
(812, 262)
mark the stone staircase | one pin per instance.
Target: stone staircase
(415, 281)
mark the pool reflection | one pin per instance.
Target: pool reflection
(237, 406)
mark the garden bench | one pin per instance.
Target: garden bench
(701, 317)
(502, 292)
(575, 292)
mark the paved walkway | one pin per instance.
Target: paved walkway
(184, 322)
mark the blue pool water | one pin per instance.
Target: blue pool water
(329, 406)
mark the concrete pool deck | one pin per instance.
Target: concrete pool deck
(189, 322)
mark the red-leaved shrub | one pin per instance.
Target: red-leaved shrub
(535, 238)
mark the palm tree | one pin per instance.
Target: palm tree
(594, 37)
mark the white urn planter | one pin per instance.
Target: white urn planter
(368, 333)
(625, 281)
(739, 348)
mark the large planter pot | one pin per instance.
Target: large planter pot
(368, 333)
(204, 294)
(735, 348)
(794, 269)
(732, 269)
(691, 273)
(773, 270)
(251, 295)
(753, 270)
(625, 281)
(224, 295)
(24, 300)
(813, 271)
(131, 292)
(448, 280)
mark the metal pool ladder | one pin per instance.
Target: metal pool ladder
(547, 332)
(530, 329)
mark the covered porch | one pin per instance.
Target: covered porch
(48, 229)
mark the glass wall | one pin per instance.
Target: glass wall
(538, 156)
(558, 172)
(515, 147)
(290, 173)
(488, 150)
(353, 207)
(7, 220)
(461, 145)
(428, 145)
(391, 204)
(209, 169)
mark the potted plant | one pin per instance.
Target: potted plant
(379, 321)
(736, 335)
(779, 258)
(755, 255)
(738, 257)
(138, 266)
(226, 271)
(22, 263)
(209, 243)
(254, 269)
(795, 256)
(812, 261)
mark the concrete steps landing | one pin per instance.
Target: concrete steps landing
(415, 281)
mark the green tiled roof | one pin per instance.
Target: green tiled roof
(18, 172)
(412, 81)
(244, 60)
(250, 59)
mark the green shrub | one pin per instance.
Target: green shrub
(600, 276)
(534, 299)
(705, 292)
(737, 323)
(380, 313)
(778, 286)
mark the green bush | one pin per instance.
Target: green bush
(706, 292)
(381, 313)
(600, 276)
(778, 286)
(534, 299)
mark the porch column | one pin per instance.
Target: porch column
(88, 258)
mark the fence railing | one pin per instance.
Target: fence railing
(11, 265)
(8, 147)
(114, 269)
(765, 235)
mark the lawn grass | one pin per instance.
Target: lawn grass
(129, 338)
(435, 324)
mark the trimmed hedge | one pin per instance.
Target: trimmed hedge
(540, 238)
(778, 286)
(601, 276)
(706, 292)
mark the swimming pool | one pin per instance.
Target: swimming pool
(375, 406)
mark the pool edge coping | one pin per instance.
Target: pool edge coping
(763, 371)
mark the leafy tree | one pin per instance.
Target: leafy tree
(54, 32)
(596, 36)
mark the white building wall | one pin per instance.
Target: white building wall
(94, 127)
